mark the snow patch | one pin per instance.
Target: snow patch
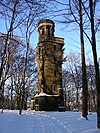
(44, 94)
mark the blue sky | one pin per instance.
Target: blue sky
(71, 39)
(70, 35)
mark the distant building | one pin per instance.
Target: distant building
(49, 54)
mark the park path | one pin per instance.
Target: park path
(46, 122)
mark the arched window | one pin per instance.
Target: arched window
(48, 31)
(42, 31)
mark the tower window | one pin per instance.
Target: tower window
(42, 31)
(54, 60)
(55, 73)
(54, 47)
(48, 31)
(39, 51)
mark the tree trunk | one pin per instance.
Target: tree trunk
(11, 102)
(2, 97)
(95, 62)
(84, 79)
(23, 76)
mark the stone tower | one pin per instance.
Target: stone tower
(49, 54)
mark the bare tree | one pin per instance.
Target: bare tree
(84, 77)
(74, 10)
(89, 21)
(96, 64)
(92, 87)
(6, 52)
(18, 15)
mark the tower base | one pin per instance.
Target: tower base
(45, 102)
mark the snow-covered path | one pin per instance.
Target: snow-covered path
(46, 122)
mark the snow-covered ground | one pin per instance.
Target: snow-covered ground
(47, 122)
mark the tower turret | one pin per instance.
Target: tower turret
(46, 29)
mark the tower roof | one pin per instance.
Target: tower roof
(46, 21)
